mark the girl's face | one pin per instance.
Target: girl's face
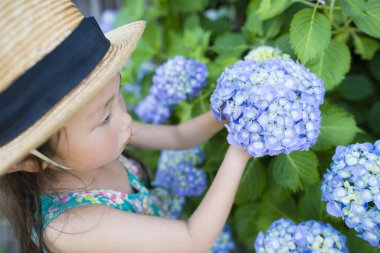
(97, 134)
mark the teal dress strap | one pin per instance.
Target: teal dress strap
(141, 202)
(53, 205)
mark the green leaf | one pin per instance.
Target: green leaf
(357, 244)
(338, 127)
(370, 23)
(252, 183)
(132, 10)
(283, 43)
(366, 15)
(374, 118)
(356, 87)
(183, 111)
(271, 8)
(296, 170)
(353, 7)
(310, 205)
(332, 65)
(253, 24)
(215, 149)
(272, 27)
(374, 66)
(365, 47)
(245, 222)
(310, 34)
(186, 6)
(231, 44)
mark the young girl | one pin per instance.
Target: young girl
(66, 187)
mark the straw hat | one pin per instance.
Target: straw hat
(44, 46)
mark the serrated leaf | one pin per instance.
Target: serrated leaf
(353, 7)
(338, 127)
(365, 47)
(296, 170)
(310, 34)
(252, 183)
(332, 65)
(374, 118)
(231, 44)
(366, 15)
(271, 8)
(356, 87)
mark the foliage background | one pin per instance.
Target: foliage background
(338, 41)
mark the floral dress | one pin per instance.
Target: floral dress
(157, 202)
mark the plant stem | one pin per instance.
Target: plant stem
(331, 10)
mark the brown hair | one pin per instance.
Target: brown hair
(20, 199)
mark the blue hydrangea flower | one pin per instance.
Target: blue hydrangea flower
(319, 237)
(152, 110)
(179, 79)
(177, 171)
(171, 204)
(351, 186)
(307, 237)
(224, 243)
(278, 238)
(272, 106)
(264, 53)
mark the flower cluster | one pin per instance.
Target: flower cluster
(272, 106)
(264, 53)
(351, 186)
(177, 171)
(152, 110)
(309, 236)
(224, 243)
(176, 80)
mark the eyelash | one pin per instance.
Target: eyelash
(106, 120)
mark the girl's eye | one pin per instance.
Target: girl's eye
(106, 120)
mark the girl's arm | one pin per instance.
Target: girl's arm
(184, 136)
(104, 229)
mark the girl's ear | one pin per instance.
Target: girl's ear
(28, 164)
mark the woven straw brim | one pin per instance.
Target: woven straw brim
(123, 41)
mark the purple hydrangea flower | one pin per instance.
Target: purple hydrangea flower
(272, 106)
(177, 171)
(263, 53)
(309, 236)
(224, 243)
(351, 186)
(179, 79)
(152, 110)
